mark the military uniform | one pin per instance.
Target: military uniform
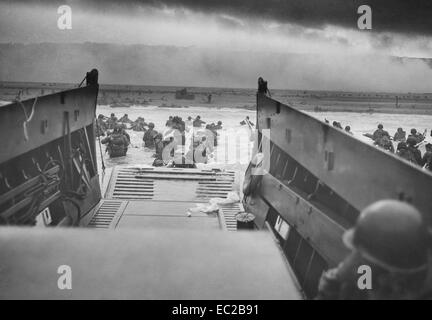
(427, 160)
(399, 136)
(391, 238)
(100, 127)
(148, 138)
(117, 144)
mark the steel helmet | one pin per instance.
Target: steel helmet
(392, 235)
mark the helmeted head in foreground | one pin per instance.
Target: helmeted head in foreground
(391, 235)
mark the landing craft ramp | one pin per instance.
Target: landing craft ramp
(154, 250)
(148, 197)
(139, 243)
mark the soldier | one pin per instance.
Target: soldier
(159, 146)
(149, 136)
(117, 143)
(100, 126)
(112, 121)
(417, 136)
(402, 151)
(400, 135)
(177, 123)
(427, 157)
(379, 133)
(169, 122)
(218, 126)
(415, 154)
(386, 143)
(125, 119)
(263, 87)
(211, 135)
(198, 122)
(348, 130)
(247, 122)
(139, 124)
(391, 238)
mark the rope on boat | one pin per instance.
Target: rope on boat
(79, 86)
(101, 154)
(28, 118)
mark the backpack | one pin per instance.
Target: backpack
(117, 140)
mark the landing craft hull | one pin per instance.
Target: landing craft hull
(320, 178)
(48, 158)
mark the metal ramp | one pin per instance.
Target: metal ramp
(148, 197)
(107, 214)
(169, 184)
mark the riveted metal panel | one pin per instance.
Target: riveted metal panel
(358, 172)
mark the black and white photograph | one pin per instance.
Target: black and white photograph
(215, 154)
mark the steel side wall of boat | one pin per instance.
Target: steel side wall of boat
(323, 233)
(80, 103)
(360, 173)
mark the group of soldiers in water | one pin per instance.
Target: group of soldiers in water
(407, 147)
(118, 140)
(338, 125)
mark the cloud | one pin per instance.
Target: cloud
(400, 16)
(167, 65)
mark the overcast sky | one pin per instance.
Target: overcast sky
(325, 27)
(281, 26)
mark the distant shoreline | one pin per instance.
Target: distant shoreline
(244, 99)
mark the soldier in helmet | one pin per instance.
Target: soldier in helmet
(400, 135)
(198, 122)
(117, 143)
(263, 87)
(125, 119)
(427, 157)
(417, 136)
(391, 238)
(101, 126)
(112, 121)
(149, 136)
(159, 146)
(379, 134)
(415, 154)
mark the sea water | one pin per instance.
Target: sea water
(234, 147)
(238, 153)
